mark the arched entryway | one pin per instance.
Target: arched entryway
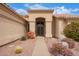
(40, 26)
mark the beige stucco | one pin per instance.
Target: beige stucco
(48, 20)
(60, 23)
(11, 26)
(54, 24)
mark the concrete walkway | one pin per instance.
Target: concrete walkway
(40, 48)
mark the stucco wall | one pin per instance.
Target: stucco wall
(48, 22)
(11, 27)
(33, 16)
(61, 24)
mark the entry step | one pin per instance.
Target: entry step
(39, 37)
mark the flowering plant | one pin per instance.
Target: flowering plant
(58, 49)
(30, 35)
(70, 42)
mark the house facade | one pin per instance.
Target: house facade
(41, 22)
(45, 23)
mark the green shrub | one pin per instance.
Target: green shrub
(23, 38)
(72, 31)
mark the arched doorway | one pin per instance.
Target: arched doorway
(40, 26)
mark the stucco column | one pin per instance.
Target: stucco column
(49, 29)
(59, 28)
(56, 33)
(32, 26)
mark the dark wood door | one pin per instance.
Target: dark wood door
(40, 30)
(40, 27)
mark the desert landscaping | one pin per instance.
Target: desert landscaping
(41, 32)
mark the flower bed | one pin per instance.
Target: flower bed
(58, 49)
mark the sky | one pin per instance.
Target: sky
(59, 8)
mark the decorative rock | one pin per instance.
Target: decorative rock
(11, 46)
(65, 44)
(18, 49)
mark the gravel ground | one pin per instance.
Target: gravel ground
(9, 49)
(28, 47)
(76, 49)
(51, 41)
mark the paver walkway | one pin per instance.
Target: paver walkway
(40, 48)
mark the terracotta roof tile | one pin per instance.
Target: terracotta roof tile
(66, 16)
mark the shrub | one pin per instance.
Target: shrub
(30, 35)
(23, 38)
(72, 31)
(58, 49)
(70, 42)
(18, 49)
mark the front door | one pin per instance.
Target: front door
(40, 27)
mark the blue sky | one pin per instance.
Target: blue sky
(59, 8)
